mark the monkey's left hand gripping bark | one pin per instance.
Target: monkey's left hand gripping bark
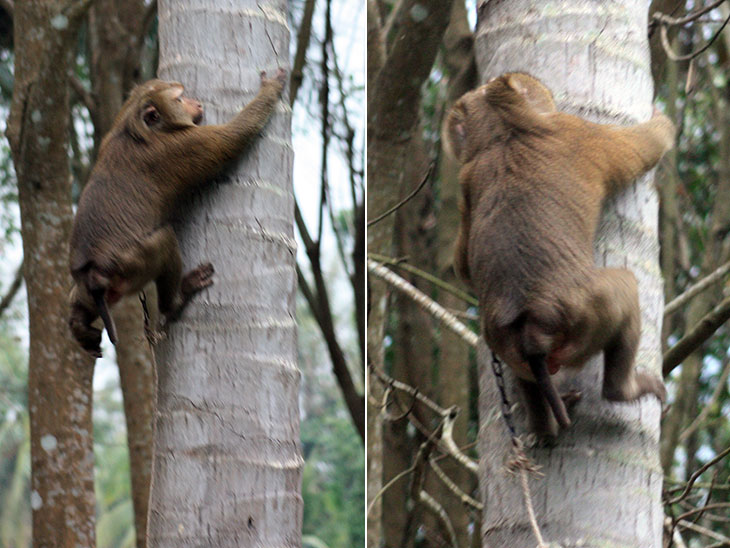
(122, 237)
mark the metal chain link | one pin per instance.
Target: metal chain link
(506, 407)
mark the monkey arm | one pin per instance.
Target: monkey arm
(197, 153)
(625, 153)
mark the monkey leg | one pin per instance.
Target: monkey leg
(83, 314)
(174, 291)
(616, 294)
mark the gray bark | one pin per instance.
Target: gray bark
(227, 466)
(602, 481)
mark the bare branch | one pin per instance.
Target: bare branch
(85, 95)
(300, 57)
(318, 301)
(438, 282)
(712, 278)
(696, 474)
(665, 22)
(12, 290)
(723, 540)
(407, 198)
(692, 340)
(691, 16)
(432, 307)
(433, 505)
(466, 500)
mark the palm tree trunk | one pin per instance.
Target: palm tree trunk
(227, 465)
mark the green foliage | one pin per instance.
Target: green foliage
(333, 484)
(114, 510)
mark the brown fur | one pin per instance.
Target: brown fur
(153, 155)
(533, 181)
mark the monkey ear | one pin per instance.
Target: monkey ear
(150, 115)
(533, 91)
(453, 135)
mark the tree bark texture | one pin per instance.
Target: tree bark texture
(227, 465)
(60, 373)
(602, 480)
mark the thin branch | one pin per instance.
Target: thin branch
(447, 437)
(318, 301)
(712, 278)
(438, 282)
(466, 500)
(405, 200)
(438, 510)
(387, 486)
(723, 505)
(435, 309)
(408, 389)
(719, 387)
(12, 290)
(696, 474)
(691, 16)
(692, 340)
(674, 57)
(85, 95)
(300, 57)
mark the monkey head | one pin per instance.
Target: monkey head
(159, 107)
(481, 116)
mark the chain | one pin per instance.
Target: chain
(145, 310)
(506, 407)
(152, 336)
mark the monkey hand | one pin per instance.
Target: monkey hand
(277, 82)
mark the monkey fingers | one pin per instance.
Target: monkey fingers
(194, 281)
(197, 279)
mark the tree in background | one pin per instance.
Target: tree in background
(59, 373)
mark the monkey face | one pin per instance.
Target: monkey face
(159, 107)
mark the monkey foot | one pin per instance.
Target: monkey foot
(197, 279)
(89, 338)
(571, 397)
(153, 336)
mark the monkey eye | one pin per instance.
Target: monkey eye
(151, 116)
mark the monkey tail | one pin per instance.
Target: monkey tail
(538, 366)
(103, 308)
(536, 344)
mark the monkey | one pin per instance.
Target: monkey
(533, 181)
(122, 238)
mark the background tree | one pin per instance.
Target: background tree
(59, 374)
